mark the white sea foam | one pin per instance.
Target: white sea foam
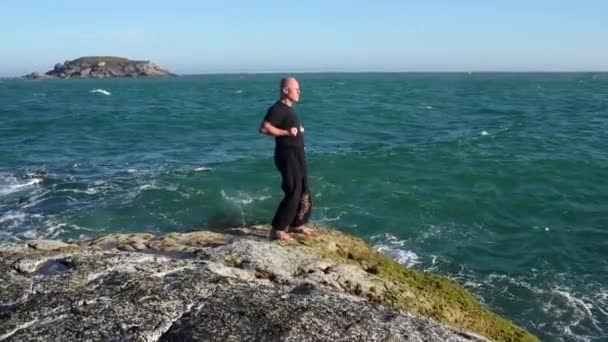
(9, 184)
(243, 198)
(97, 187)
(37, 226)
(147, 187)
(394, 247)
(326, 218)
(484, 133)
(100, 91)
(431, 231)
(575, 309)
(405, 258)
(155, 186)
(12, 219)
(30, 234)
(203, 168)
(53, 228)
(88, 191)
(238, 92)
(134, 192)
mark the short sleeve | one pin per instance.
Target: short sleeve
(273, 116)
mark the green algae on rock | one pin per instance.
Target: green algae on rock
(412, 290)
(234, 284)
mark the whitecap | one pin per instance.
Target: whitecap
(405, 258)
(147, 187)
(40, 227)
(574, 302)
(484, 133)
(388, 238)
(14, 186)
(431, 231)
(154, 186)
(576, 309)
(238, 92)
(53, 228)
(96, 187)
(30, 234)
(203, 168)
(243, 198)
(135, 192)
(392, 246)
(100, 91)
(12, 219)
(326, 218)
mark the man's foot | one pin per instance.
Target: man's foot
(280, 235)
(301, 230)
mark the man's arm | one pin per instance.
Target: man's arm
(269, 129)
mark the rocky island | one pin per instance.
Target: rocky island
(101, 67)
(231, 285)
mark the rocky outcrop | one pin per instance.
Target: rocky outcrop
(101, 67)
(38, 76)
(233, 285)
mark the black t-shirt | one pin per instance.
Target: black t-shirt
(282, 116)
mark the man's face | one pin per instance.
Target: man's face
(292, 91)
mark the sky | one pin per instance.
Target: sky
(199, 36)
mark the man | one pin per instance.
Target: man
(282, 123)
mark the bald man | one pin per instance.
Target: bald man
(282, 123)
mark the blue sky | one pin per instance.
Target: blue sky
(298, 36)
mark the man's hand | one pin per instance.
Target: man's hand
(268, 129)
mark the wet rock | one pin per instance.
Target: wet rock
(37, 76)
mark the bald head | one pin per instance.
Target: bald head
(290, 89)
(288, 80)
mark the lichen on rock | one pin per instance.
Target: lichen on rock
(231, 285)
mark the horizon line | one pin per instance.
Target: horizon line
(375, 72)
(393, 72)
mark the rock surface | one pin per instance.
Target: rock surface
(101, 67)
(234, 285)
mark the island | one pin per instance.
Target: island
(101, 67)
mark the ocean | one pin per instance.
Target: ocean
(497, 180)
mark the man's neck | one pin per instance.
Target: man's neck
(287, 102)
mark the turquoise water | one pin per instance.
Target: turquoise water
(497, 180)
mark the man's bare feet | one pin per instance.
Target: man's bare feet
(280, 235)
(301, 230)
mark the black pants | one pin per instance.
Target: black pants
(294, 210)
